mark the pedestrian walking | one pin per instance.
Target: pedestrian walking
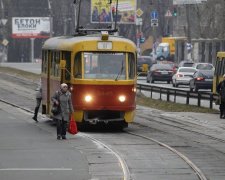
(38, 103)
(62, 98)
(220, 89)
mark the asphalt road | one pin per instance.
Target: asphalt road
(30, 152)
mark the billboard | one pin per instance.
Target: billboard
(31, 27)
(103, 12)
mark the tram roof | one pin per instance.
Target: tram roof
(68, 42)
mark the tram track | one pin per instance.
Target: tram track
(152, 119)
(199, 173)
(121, 160)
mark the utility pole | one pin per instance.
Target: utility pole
(51, 18)
(3, 41)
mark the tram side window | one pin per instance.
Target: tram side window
(78, 66)
(44, 62)
(57, 61)
(218, 67)
(53, 63)
(131, 65)
(223, 66)
(67, 57)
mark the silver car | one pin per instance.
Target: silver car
(183, 76)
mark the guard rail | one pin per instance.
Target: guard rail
(170, 91)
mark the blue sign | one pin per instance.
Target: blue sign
(154, 15)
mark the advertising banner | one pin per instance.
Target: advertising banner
(31, 27)
(103, 12)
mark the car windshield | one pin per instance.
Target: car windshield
(207, 73)
(104, 65)
(162, 66)
(187, 70)
(144, 60)
(204, 66)
(188, 64)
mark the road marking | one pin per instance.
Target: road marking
(36, 169)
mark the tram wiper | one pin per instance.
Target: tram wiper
(120, 72)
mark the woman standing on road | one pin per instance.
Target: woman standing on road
(220, 89)
(62, 98)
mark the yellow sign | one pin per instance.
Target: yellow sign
(103, 12)
(139, 12)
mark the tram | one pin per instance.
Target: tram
(219, 69)
(100, 70)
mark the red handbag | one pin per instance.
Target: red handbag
(72, 129)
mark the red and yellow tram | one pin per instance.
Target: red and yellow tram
(100, 70)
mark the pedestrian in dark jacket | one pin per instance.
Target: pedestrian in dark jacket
(62, 98)
(220, 89)
(38, 103)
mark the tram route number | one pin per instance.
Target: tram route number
(105, 45)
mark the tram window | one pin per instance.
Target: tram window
(52, 63)
(44, 61)
(223, 66)
(218, 67)
(57, 61)
(67, 57)
(78, 66)
(131, 66)
(105, 65)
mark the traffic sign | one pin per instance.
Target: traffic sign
(139, 21)
(154, 22)
(3, 21)
(154, 15)
(139, 12)
(168, 13)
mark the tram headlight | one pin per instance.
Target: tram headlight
(134, 89)
(122, 98)
(88, 98)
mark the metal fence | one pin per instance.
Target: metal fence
(174, 92)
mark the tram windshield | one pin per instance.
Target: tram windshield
(104, 65)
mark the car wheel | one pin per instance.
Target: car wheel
(151, 80)
(196, 88)
(176, 85)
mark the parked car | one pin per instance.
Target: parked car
(183, 76)
(160, 72)
(144, 63)
(203, 66)
(186, 63)
(202, 79)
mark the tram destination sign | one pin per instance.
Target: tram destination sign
(31, 27)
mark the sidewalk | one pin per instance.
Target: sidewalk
(30, 67)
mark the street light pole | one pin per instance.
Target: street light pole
(51, 18)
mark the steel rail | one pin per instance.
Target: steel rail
(197, 170)
(183, 128)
